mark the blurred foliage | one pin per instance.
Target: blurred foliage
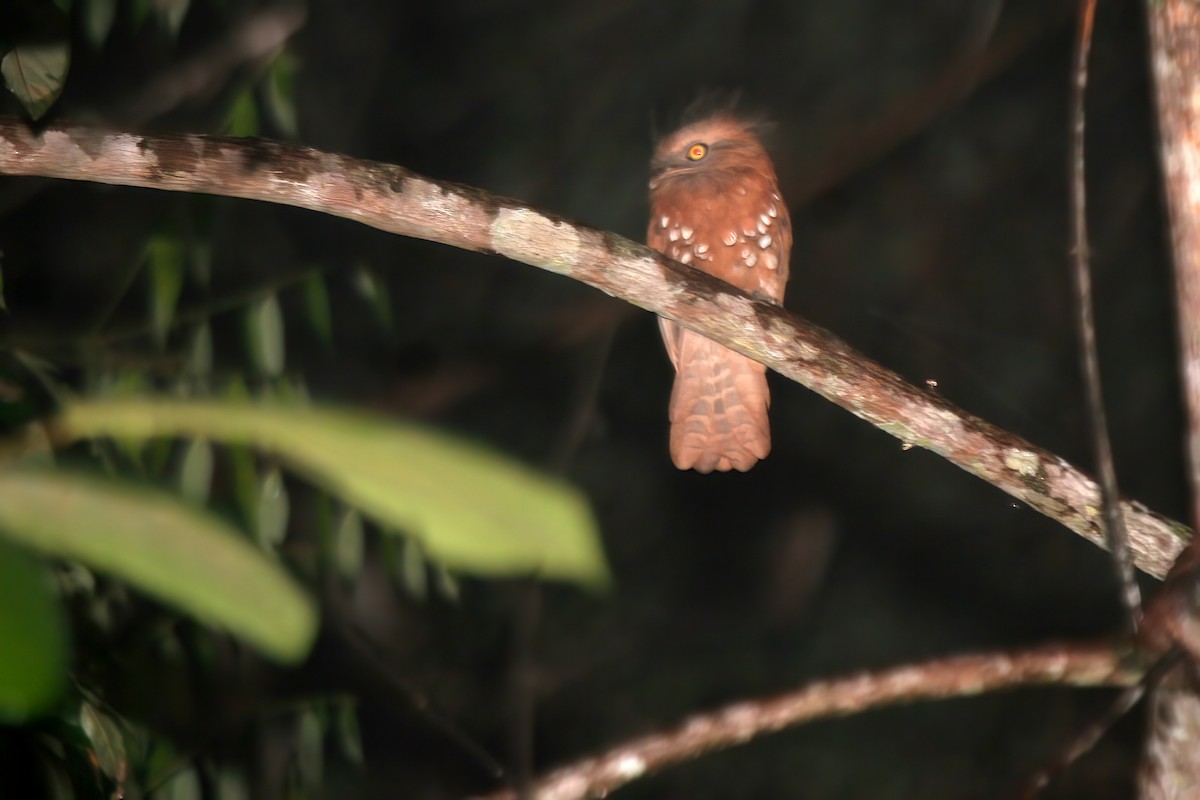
(473, 511)
(140, 557)
(32, 629)
(922, 149)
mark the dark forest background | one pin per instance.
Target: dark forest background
(922, 147)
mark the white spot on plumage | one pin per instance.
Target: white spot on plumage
(762, 227)
(751, 260)
(673, 234)
(745, 252)
(731, 238)
(749, 230)
(770, 260)
(701, 249)
(772, 211)
(765, 241)
(664, 221)
(686, 258)
(687, 233)
(765, 219)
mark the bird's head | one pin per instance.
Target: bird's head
(711, 148)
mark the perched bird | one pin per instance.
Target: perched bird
(715, 204)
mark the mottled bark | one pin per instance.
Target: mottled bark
(1171, 762)
(1168, 768)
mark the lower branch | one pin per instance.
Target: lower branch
(962, 676)
(394, 199)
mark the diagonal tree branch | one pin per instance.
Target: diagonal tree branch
(397, 200)
(962, 676)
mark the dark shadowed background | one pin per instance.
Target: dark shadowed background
(921, 146)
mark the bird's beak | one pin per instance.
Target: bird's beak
(661, 169)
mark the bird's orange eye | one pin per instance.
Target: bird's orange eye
(697, 151)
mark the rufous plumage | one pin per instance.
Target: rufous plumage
(715, 204)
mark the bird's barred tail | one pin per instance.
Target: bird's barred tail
(718, 408)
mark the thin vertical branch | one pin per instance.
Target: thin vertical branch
(1171, 759)
(1175, 62)
(1115, 534)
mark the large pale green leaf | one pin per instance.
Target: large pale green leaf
(184, 556)
(472, 509)
(33, 667)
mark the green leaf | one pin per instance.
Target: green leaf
(58, 780)
(173, 13)
(165, 255)
(231, 786)
(183, 785)
(472, 509)
(33, 639)
(184, 556)
(98, 19)
(445, 583)
(244, 476)
(310, 751)
(35, 73)
(280, 94)
(200, 261)
(139, 12)
(196, 471)
(349, 544)
(375, 292)
(316, 301)
(347, 732)
(200, 352)
(242, 119)
(264, 336)
(108, 744)
(413, 576)
(287, 391)
(271, 514)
